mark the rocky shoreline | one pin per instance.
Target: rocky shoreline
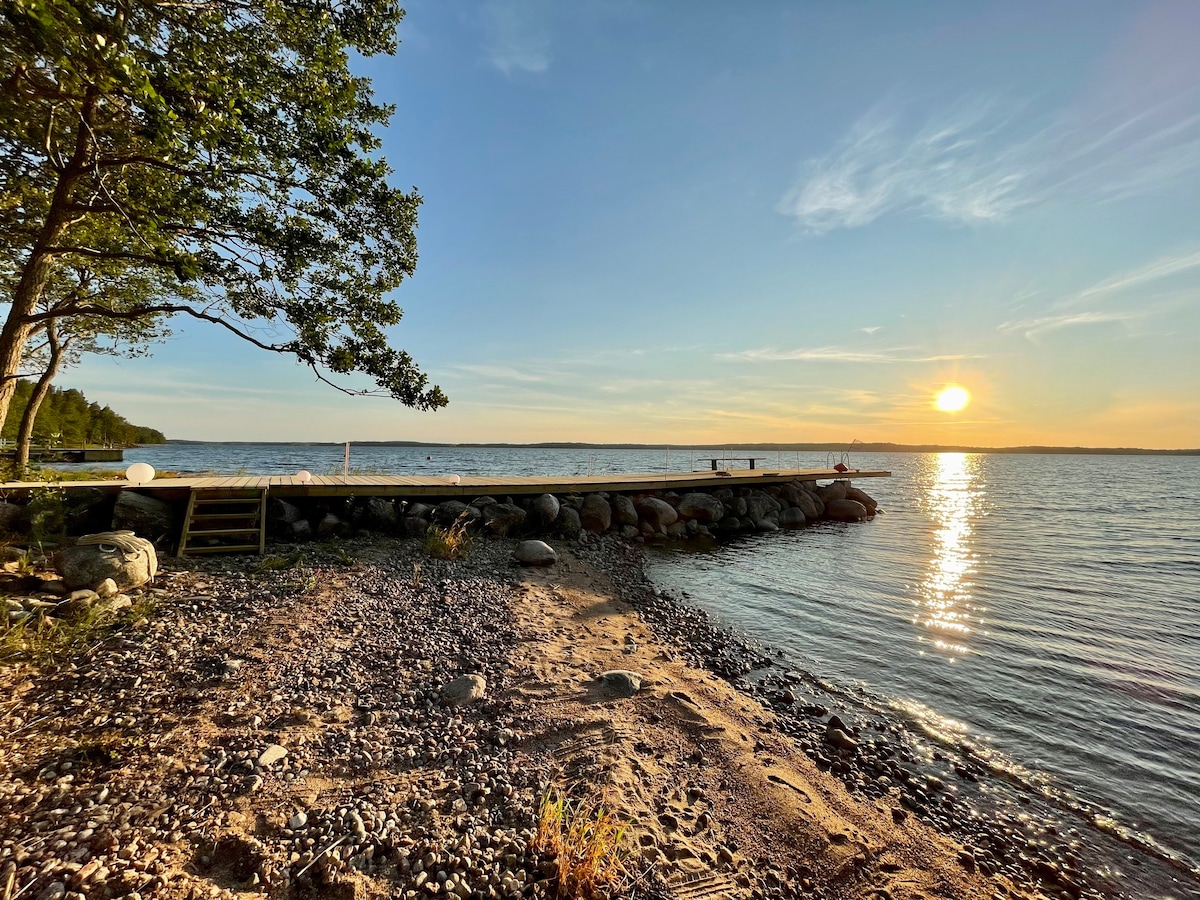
(287, 727)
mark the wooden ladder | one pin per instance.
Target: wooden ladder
(227, 521)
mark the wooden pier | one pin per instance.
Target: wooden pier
(448, 486)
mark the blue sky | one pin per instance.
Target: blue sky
(710, 222)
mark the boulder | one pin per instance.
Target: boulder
(853, 493)
(414, 526)
(419, 510)
(677, 529)
(809, 505)
(10, 517)
(144, 515)
(129, 560)
(766, 524)
(701, 507)
(657, 513)
(845, 511)
(624, 510)
(835, 491)
(620, 682)
(502, 518)
(737, 506)
(568, 523)
(328, 526)
(464, 689)
(543, 510)
(596, 514)
(792, 517)
(87, 511)
(629, 531)
(760, 505)
(448, 512)
(535, 553)
(301, 530)
(379, 514)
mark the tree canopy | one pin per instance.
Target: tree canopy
(67, 419)
(222, 145)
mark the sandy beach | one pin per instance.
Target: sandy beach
(281, 728)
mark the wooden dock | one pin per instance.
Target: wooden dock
(445, 486)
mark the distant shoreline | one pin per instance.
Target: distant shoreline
(789, 448)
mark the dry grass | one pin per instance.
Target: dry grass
(448, 543)
(585, 838)
(46, 641)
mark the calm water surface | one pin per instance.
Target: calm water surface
(1045, 609)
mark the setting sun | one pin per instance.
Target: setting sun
(952, 399)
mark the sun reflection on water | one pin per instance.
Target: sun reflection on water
(944, 597)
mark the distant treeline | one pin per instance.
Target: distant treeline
(785, 448)
(66, 419)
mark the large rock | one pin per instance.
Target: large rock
(568, 523)
(87, 511)
(835, 491)
(845, 510)
(853, 493)
(535, 553)
(502, 518)
(543, 510)
(792, 517)
(10, 517)
(809, 505)
(144, 515)
(379, 514)
(464, 689)
(701, 507)
(414, 526)
(621, 682)
(449, 511)
(129, 560)
(329, 526)
(624, 510)
(595, 514)
(760, 505)
(656, 513)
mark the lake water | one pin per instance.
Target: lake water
(1043, 609)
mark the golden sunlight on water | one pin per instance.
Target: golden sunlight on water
(943, 598)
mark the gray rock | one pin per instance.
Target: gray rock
(839, 739)
(328, 526)
(760, 505)
(596, 514)
(502, 518)
(808, 504)
(830, 492)
(144, 515)
(766, 525)
(629, 531)
(449, 511)
(464, 689)
(737, 506)
(107, 588)
(273, 754)
(677, 529)
(415, 526)
(302, 530)
(568, 523)
(624, 510)
(129, 561)
(853, 493)
(792, 517)
(621, 682)
(379, 513)
(701, 507)
(535, 553)
(418, 510)
(299, 820)
(845, 510)
(282, 512)
(543, 510)
(657, 513)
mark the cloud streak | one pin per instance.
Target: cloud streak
(839, 354)
(984, 160)
(1032, 328)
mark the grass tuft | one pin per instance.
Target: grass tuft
(448, 543)
(46, 641)
(585, 838)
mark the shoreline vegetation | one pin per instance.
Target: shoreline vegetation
(875, 447)
(607, 744)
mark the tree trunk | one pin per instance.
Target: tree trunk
(40, 390)
(37, 269)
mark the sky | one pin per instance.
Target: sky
(707, 223)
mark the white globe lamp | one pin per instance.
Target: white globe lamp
(140, 473)
(304, 476)
(454, 479)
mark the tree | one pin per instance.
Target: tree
(69, 337)
(220, 143)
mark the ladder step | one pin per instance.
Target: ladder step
(225, 548)
(211, 500)
(215, 531)
(200, 517)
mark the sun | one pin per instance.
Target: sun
(952, 398)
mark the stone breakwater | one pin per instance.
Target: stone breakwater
(642, 516)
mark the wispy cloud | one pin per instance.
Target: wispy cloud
(1032, 328)
(870, 329)
(840, 354)
(1160, 268)
(983, 160)
(517, 36)
(504, 373)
